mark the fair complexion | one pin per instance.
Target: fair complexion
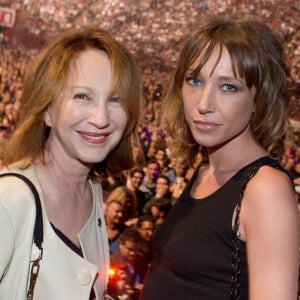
(270, 226)
(218, 108)
(86, 122)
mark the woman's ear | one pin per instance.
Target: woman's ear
(47, 118)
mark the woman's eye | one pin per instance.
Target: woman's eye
(82, 96)
(229, 88)
(114, 99)
(194, 81)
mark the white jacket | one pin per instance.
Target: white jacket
(64, 275)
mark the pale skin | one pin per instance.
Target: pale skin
(218, 109)
(87, 122)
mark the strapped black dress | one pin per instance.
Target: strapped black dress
(193, 247)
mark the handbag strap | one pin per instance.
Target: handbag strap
(236, 242)
(38, 233)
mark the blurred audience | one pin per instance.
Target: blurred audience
(134, 181)
(113, 214)
(128, 200)
(161, 192)
(152, 171)
(146, 227)
(129, 266)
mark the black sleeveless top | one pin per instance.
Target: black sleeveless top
(193, 247)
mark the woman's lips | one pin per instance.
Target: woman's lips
(94, 138)
(206, 125)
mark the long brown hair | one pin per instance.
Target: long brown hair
(258, 57)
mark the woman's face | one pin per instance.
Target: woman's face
(217, 106)
(87, 122)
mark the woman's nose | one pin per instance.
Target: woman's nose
(100, 116)
(205, 100)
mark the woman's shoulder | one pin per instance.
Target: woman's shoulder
(16, 201)
(13, 190)
(269, 200)
(269, 172)
(271, 185)
(20, 167)
(262, 168)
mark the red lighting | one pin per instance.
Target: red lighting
(112, 272)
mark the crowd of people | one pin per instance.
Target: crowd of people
(138, 200)
(152, 30)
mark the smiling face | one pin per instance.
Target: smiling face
(88, 121)
(136, 179)
(217, 105)
(114, 213)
